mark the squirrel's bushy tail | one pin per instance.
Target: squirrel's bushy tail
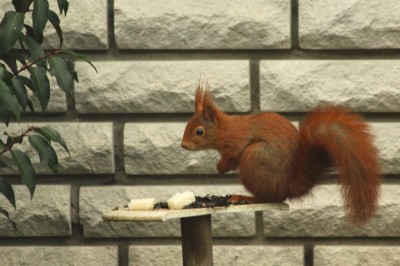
(332, 136)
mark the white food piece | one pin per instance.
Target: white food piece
(141, 204)
(180, 200)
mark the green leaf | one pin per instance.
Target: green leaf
(60, 69)
(3, 164)
(8, 103)
(10, 29)
(79, 56)
(55, 21)
(4, 74)
(9, 139)
(5, 115)
(20, 58)
(46, 153)
(7, 190)
(30, 106)
(2, 146)
(51, 135)
(26, 81)
(26, 170)
(29, 31)
(72, 70)
(40, 15)
(11, 61)
(21, 5)
(10, 106)
(63, 6)
(19, 139)
(41, 85)
(75, 75)
(36, 51)
(6, 214)
(21, 93)
(21, 39)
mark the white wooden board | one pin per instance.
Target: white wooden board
(166, 214)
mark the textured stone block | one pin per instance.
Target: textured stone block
(96, 200)
(258, 255)
(90, 144)
(47, 214)
(85, 26)
(388, 144)
(155, 255)
(356, 255)
(155, 148)
(350, 24)
(222, 255)
(160, 86)
(321, 215)
(259, 24)
(299, 85)
(59, 255)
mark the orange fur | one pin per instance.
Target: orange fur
(277, 162)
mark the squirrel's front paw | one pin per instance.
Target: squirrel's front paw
(222, 168)
(226, 164)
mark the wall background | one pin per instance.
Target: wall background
(123, 127)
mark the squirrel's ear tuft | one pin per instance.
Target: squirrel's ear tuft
(210, 111)
(208, 99)
(198, 99)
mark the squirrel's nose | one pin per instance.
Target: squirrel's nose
(184, 145)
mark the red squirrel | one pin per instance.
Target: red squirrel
(278, 162)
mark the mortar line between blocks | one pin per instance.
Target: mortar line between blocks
(294, 24)
(77, 228)
(119, 155)
(123, 254)
(308, 255)
(254, 86)
(112, 45)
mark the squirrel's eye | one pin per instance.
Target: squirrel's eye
(200, 131)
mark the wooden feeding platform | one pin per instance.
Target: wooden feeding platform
(196, 233)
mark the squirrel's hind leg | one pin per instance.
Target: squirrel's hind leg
(263, 171)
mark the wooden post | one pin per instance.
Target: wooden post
(197, 241)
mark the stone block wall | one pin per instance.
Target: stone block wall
(124, 125)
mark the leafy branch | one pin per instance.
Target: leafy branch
(29, 57)
(39, 59)
(11, 141)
